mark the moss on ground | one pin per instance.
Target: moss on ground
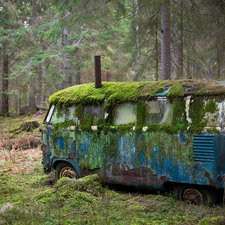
(27, 199)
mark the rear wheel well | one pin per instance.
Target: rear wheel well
(56, 163)
(193, 194)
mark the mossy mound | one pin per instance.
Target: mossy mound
(217, 220)
(90, 184)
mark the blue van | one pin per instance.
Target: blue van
(159, 135)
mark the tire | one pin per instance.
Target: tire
(65, 169)
(195, 195)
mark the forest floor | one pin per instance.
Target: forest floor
(28, 196)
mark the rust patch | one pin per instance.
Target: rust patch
(142, 177)
(73, 155)
(211, 182)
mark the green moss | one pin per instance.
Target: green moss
(211, 106)
(79, 94)
(93, 157)
(197, 113)
(179, 121)
(79, 111)
(161, 127)
(109, 146)
(122, 92)
(215, 220)
(163, 145)
(141, 114)
(64, 124)
(90, 184)
(113, 93)
(86, 122)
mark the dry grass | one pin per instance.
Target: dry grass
(19, 161)
(19, 151)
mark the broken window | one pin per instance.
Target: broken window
(159, 111)
(216, 118)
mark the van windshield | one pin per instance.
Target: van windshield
(49, 115)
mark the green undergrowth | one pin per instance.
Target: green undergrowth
(29, 199)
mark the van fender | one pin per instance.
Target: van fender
(72, 162)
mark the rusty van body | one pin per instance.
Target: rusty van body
(156, 135)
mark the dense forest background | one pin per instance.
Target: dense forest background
(49, 45)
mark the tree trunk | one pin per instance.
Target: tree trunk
(179, 53)
(165, 41)
(32, 102)
(136, 44)
(156, 51)
(40, 98)
(32, 91)
(218, 60)
(218, 54)
(65, 66)
(209, 72)
(5, 83)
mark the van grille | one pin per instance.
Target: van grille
(204, 148)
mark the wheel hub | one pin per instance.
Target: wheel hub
(193, 196)
(68, 172)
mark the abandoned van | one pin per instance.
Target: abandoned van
(165, 135)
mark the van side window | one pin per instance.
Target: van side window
(96, 113)
(63, 115)
(221, 119)
(70, 113)
(125, 113)
(216, 118)
(159, 111)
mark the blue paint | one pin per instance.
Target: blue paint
(163, 92)
(73, 147)
(182, 138)
(60, 142)
(202, 168)
(142, 158)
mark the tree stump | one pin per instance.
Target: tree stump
(29, 126)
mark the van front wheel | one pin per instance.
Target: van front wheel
(65, 170)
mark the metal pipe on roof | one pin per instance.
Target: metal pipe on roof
(98, 76)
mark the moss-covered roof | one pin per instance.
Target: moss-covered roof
(115, 92)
